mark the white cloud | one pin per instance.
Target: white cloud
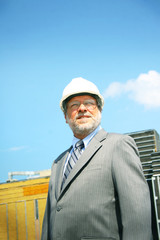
(17, 148)
(144, 90)
(14, 149)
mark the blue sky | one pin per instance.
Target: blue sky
(45, 44)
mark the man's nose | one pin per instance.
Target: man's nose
(82, 108)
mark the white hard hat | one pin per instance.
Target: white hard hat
(78, 86)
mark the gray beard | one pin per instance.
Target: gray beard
(86, 128)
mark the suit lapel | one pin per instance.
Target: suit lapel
(91, 149)
(59, 172)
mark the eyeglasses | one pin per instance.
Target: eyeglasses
(89, 104)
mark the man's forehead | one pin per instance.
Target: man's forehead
(81, 98)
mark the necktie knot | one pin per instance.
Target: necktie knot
(79, 145)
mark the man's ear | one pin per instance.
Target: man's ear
(65, 115)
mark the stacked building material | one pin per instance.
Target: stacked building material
(155, 158)
(148, 143)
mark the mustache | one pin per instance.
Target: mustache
(83, 115)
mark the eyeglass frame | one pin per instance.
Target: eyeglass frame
(98, 101)
(89, 104)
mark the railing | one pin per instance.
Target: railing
(156, 199)
(22, 219)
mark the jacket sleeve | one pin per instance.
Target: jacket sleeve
(132, 190)
(45, 225)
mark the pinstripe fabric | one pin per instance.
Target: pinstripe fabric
(104, 197)
(73, 159)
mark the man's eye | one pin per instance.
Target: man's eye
(89, 103)
(74, 105)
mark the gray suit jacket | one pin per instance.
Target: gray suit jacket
(104, 197)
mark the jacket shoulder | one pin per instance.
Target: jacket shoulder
(115, 138)
(119, 136)
(61, 155)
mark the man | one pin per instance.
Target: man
(97, 189)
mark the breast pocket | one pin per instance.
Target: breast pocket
(93, 167)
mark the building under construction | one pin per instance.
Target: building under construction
(22, 203)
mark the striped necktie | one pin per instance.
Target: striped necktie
(76, 153)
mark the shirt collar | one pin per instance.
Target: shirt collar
(87, 139)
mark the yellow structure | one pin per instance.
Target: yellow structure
(22, 205)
